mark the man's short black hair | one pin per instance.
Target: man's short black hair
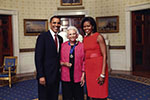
(54, 17)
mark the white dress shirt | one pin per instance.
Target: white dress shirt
(52, 33)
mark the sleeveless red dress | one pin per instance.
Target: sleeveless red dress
(93, 68)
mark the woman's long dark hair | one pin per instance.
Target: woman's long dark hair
(92, 22)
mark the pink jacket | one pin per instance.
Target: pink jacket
(78, 64)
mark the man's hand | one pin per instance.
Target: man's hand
(42, 81)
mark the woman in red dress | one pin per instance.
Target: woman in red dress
(96, 68)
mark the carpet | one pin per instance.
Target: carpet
(119, 89)
(25, 90)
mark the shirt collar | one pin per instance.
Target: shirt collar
(52, 32)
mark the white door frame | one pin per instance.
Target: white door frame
(129, 31)
(15, 34)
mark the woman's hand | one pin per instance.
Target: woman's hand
(67, 64)
(100, 80)
(82, 79)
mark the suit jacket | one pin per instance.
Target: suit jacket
(47, 58)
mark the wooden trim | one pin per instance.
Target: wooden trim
(27, 50)
(26, 74)
(117, 47)
(33, 49)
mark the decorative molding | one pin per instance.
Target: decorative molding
(8, 12)
(118, 59)
(117, 47)
(27, 50)
(70, 8)
(138, 7)
(71, 12)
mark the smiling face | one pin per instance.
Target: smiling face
(55, 25)
(72, 35)
(87, 27)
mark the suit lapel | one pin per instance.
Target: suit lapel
(60, 41)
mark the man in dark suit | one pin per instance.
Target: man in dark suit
(47, 63)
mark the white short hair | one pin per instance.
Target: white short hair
(73, 28)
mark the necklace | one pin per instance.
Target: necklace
(71, 50)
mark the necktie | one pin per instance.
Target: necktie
(56, 40)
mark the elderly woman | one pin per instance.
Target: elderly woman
(72, 66)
